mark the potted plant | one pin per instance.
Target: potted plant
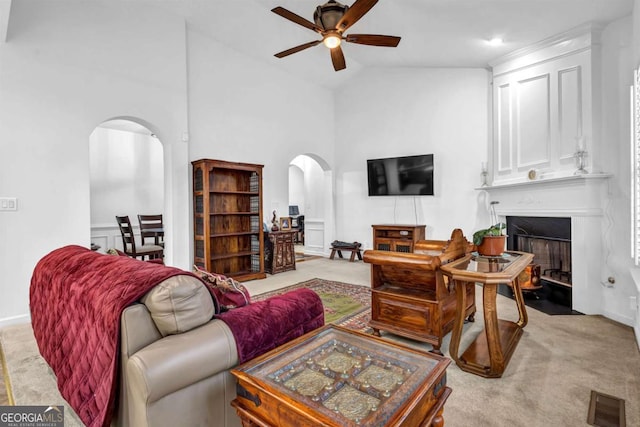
(490, 241)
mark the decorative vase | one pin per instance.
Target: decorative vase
(492, 245)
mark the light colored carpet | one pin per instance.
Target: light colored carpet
(548, 382)
(30, 379)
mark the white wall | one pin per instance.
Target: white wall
(387, 113)
(296, 185)
(636, 33)
(617, 76)
(243, 110)
(636, 63)
(66, 67)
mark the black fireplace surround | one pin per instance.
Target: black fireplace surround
(552, 227)
(555, 295)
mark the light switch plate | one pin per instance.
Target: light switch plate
(8, 204)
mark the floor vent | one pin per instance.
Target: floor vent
(606, 411)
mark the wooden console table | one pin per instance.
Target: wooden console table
(334, 377)
(490, 353)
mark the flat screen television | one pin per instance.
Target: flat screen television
(401, 176)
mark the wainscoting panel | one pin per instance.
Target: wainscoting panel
(570, 112)
(504, 127)
(314, 237)
(543, 109)
(533, 109)
(108, 236)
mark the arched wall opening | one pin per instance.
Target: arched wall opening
(311, 187)
(127, 177)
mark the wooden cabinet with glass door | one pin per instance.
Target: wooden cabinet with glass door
(227, 206)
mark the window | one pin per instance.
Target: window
(635, 167)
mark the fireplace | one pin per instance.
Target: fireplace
(549, 239)
(578, 200)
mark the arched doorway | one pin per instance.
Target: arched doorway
(126, 178)
(311, 189)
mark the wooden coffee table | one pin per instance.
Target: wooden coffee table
(338, 377)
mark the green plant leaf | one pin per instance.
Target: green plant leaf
(494, 230)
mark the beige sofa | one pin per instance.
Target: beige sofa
(138, 344)
(175, 360)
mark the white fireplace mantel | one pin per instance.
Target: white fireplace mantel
(560, 181)
(575, 195)
(583, 198)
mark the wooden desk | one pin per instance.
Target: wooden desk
(338, 377)
(490, 353)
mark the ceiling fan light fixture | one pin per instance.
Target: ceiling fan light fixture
(332, 19)
(329, 14)
(332, 40)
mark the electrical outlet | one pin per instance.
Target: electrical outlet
(8, 204)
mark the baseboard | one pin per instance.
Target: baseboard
(628, 321)
(7, 321)
(314, 251)
(635, 275)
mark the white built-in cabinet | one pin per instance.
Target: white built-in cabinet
(544, 106)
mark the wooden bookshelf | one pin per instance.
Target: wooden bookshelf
(227, 209)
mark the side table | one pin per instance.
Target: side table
(490, 353)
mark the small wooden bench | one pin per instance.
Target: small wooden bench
(354, 248)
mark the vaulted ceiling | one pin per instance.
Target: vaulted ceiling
(435, 33)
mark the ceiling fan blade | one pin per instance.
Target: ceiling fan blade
(373, 40)
(354, 13)
(297, 49)
(287, 14)
(337, 57)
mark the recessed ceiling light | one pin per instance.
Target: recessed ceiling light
(496, 41)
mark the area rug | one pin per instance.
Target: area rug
(344, 304)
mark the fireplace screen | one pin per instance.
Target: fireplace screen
(553, 255)
(549, 239)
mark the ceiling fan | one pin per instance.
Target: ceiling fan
(332, 19)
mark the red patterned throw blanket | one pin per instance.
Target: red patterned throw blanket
(76, 299)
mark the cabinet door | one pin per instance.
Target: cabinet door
(384, 244)
(405, 246)
(289, 256)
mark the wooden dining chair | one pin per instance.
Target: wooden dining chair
(151, 227)
(129, 242)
